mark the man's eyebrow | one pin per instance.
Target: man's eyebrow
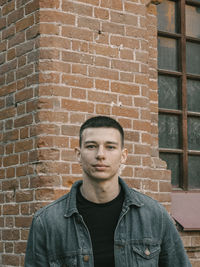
(94, 142)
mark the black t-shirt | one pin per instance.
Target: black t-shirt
(101, 221)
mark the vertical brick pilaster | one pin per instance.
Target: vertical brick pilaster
(61, 62)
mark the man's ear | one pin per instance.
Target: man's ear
(124, 155)
(78, 154)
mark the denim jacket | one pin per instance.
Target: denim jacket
(145, 235)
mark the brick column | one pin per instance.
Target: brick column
(60, 63)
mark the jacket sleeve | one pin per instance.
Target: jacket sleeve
(172, 250)
(36, 252)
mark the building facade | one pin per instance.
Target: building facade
(62, 62)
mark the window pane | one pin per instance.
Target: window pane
(194, 172)
(193, 21)
(194, 133)
(167, 53)
(167, 17)
(169, 132)
(173, 164)
(193, 57)
(169, 95)
(193, 95)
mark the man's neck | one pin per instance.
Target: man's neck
(100, 192)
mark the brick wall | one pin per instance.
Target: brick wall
(60, 63)
(18, 98)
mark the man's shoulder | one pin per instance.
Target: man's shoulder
(146, 201)
(55, 206)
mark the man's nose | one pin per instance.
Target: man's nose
(100, 152)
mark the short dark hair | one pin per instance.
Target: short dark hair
(101, 121)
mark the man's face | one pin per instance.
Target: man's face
(101, 153)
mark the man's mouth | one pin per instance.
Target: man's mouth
(100, 167)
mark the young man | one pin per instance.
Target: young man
(102, 222)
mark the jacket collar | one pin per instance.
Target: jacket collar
(131, 198)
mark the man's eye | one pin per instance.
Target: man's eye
(90, 146)
(111, 147)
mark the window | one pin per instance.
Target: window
(179, 90)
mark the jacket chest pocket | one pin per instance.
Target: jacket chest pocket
(69, 261)
(145, 254)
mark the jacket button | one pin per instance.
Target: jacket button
(86, 258)
(147, 252)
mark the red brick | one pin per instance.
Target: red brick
(49, 4)
(77, 81)
(45, 181)
(21, 170)
(139, 125)
(8, 8)
(103, 73)
(80, 46)
(49, 54)
(102, 97)
(17, 39)
(124, 18)
(102, 84)
(24, 95)
(51, 116)
(24, 196)
(31, 7)
(7, 113)
(79, 69)
(75, 8)
(77, 118)
(72, 105)
(104, 50)
(113, 28)
(23, 121)
(68, 156)
(11, 54)
(55, 66)
(76, 33)
(49, 29)
(101, 13)
(52, 141)
(70, 130)
(92, 2)
(2, 23)
(135, 8)
(77, 58)
(103, 109)
(15, 15)
(11, 185)
(113, 4)
(78, 93)
(55, 16)
(24, 23)
(20, 247)
(125, 65)
(10, 209)
(10, 172)
(12, 260)
(49, 154)
(24, 48)
(126, 77)
(25, 71)
(3, 46)
(32, 32)
(10, 160)
(92, 24)
(11, 65)
(123, 88)
(2, 173)
(9, 149)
